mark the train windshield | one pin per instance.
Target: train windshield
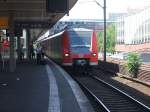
(80, 38)
(80, 41)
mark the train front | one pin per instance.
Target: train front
(83, 48)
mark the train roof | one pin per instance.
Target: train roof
(60, 33)
(52, 36)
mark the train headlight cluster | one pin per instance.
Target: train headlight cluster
(94, 54)
(66, 54)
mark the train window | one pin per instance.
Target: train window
(80, 38)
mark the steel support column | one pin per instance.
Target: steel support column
(104, 42)
(104, 30)
(12, 60)
(19, 48)
(0, 49)
(28, 36)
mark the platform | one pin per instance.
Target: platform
(40, 88)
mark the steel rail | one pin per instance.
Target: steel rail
(138, 102)
(94, 96)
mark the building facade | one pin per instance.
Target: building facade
(133, 30)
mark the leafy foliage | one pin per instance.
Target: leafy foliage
(110, 39)
(100, 41)
(133, 64)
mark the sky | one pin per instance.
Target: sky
(88, 9)
(122, 5)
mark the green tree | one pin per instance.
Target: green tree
(100, 41)
(110, 39)
(133, 64)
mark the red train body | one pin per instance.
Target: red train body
(76, 47)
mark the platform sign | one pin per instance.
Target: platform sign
(33, 24)
(3, 22)
(57, 6)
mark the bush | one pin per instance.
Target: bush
(133, 64)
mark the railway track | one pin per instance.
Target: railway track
(110, 99)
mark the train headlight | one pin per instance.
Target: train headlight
(94, 54)
(66, 54)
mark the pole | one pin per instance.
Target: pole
(19, 48)
(67, 7)
(3, 57)
(12, 60)
(28, 37)
(104, 30)
(0, 48)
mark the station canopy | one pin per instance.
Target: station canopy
(36, 15)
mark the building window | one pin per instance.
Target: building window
(145, 39)
(148, 38)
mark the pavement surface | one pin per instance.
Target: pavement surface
(40, 88)
(25, 90)
(71, 97)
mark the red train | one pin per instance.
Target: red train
(74, 47)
